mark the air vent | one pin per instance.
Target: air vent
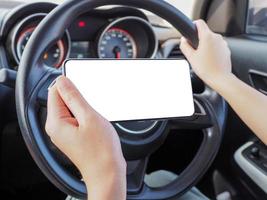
(176, 52)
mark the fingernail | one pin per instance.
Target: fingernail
(63, 83)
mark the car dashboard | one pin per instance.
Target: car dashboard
(112, 32)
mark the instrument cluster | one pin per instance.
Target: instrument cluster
(89, 36)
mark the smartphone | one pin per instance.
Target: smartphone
(130, 90)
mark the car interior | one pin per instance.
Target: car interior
(213, 150)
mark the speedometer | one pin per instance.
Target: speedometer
(117, 43)
(127, 37)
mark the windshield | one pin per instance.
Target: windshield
(185, 6)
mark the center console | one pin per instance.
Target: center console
(252, 159)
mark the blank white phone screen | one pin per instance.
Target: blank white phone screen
(124, 90)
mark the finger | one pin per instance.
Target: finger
(73, 99)
(186, 48)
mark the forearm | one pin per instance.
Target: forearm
(248, 103)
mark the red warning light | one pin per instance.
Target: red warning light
(81, 24)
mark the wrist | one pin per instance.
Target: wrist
(111, 186)
(106, 182)
(109, 167)
(221, 83)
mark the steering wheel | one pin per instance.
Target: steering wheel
(34, 78)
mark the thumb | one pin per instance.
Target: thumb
(59, 119)
(74, 100)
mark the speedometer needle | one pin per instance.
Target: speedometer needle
(117, 52)
(118, 55)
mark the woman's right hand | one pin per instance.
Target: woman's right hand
(211, 61)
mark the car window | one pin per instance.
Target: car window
(257, 15)
(185, 6)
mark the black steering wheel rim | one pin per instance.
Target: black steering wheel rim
(33, 74)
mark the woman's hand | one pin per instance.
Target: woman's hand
(88, 139)
(211, 61)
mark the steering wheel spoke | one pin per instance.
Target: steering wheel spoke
(46, 82)
(135, 175)
(200, 120)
